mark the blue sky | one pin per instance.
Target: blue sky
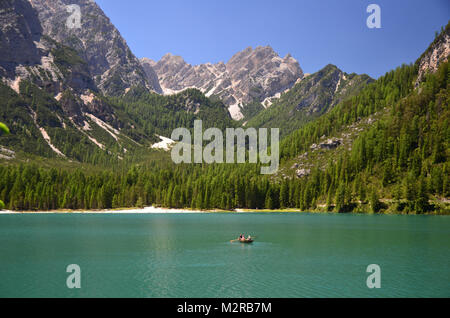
(315, 32)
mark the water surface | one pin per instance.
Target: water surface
(190, 255)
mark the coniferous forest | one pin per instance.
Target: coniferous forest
(363, 145)
(399, 164)
(270, 150)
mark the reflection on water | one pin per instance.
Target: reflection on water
(178, 255)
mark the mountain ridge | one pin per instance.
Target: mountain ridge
(364, 141)
(309, 98)
(250, 75)
(112, 65)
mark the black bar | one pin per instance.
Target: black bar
(222, 307)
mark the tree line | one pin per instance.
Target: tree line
(398, 163)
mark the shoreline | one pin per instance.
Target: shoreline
(161, 210)
(145, 210)
(155, 210)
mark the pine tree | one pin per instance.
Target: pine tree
(439, 152)
(284, 195)
(340, 198)
(269, 200)
(140, 203)
(375, 204)
(329, 200)
(421, 203)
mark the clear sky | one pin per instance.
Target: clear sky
(315, 32)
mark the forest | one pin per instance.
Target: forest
(398, 165)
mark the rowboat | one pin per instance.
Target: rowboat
(243, 240)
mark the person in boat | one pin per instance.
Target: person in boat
(249, 238)
(241, 237)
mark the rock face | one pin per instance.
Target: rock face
(313, 96)
(250, 75)
(435, 55)
(63, 76)
(25, 53)
(303, 172)
(326, 88)
(152, 77)
(20, 29)
(331, 143)
(112, 65)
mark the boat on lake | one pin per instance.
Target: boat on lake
(242, 239)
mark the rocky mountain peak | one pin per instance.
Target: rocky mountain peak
(27, 54)
(148, 66)
(170, 63)
(170, 58)
(250, 75)
(20, 30)
(111, 63)
(436, 54)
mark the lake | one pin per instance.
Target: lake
(190, 255)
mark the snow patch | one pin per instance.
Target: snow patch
(269, 100)
(45, 135)
(164, 144)
(108, 128)
(168, 91)
(62, 121)
(86, 126)
(6, 157)
(338, 84)
(83, 130)
(15, 85)
(100, 145)
(49, 142)
(214, 88)
(7, 151)
(235, 112)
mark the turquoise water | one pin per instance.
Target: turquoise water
(189, 255)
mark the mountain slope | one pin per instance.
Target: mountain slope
(158, 114)
(436, 54)
(250, 75)
(313, 96)
(390, 141)
(55, 109)
(27, 54)
(112, 65)
(380, 146)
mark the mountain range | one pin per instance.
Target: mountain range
(79, 96)
(109, 67)
(250, 75)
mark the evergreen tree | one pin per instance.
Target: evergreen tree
(421, 203)
(340, 198)
(284, 195)
(374, 201)
(269, 204)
